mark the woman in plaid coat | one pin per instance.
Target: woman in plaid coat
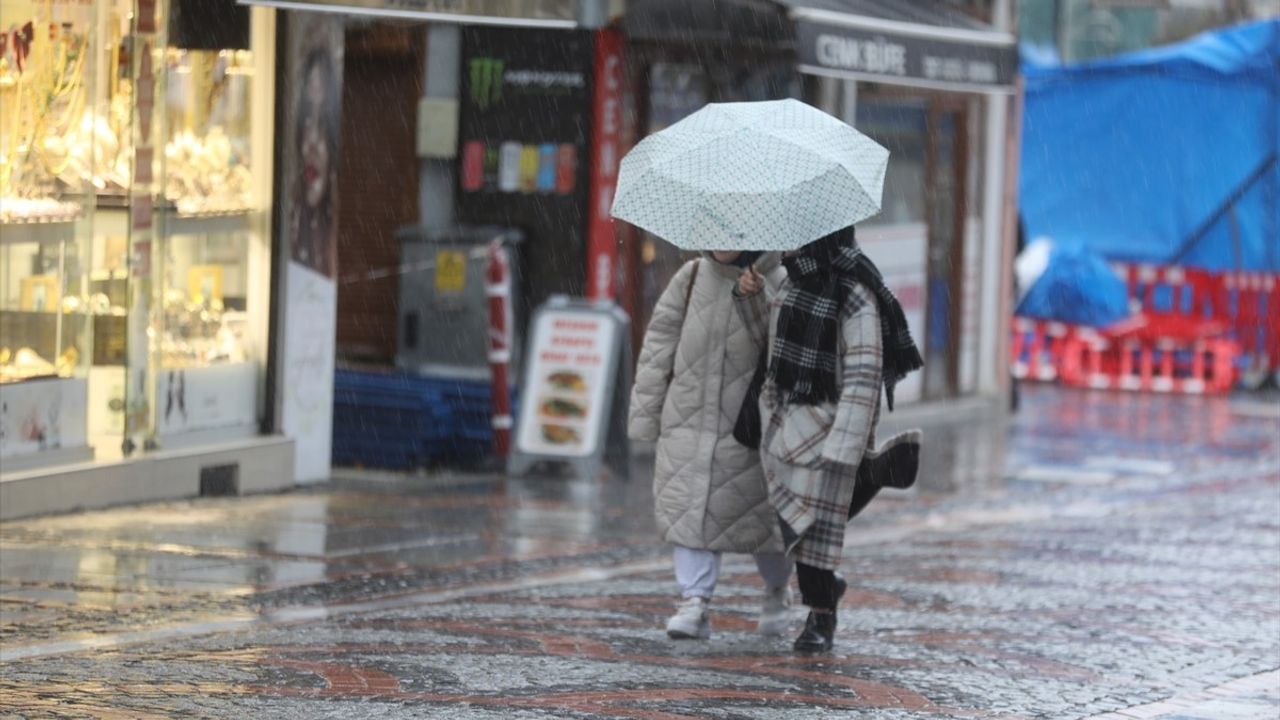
(837, 335)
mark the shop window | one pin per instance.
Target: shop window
(76, 277)
(212, 232)
(675, 91)
(900, 126)
(47, 78)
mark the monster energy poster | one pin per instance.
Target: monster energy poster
(524, 129)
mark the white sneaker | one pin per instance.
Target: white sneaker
(691, 621)
(774, 611)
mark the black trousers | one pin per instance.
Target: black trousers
(817, 586)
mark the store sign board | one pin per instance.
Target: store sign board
(524, 124)
(575, 376)
(606, 139)
(906, 58)
(525, 99)
(42, 415)
(461, 10)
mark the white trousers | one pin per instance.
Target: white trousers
(697, 571)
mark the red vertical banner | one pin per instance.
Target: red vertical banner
(606, 136)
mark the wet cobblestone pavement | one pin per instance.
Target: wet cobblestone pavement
(1108, 557)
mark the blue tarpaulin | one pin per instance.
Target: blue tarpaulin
(1166, 156)
(1077, 287)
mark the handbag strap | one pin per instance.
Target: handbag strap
(688, 292)
(688, 295)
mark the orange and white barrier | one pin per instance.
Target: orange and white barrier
(1150, 364)
(1248, 303)
(1037, 347)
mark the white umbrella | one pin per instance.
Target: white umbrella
(751, 176)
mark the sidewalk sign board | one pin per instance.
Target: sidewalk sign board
(577, 379)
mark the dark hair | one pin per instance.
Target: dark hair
(826, 248)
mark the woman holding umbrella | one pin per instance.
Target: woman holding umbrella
(695, 366)
(783, 176)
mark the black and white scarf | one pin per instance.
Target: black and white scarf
(806, 357)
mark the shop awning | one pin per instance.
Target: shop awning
(922, 43)
(700, 22)
(516, 13)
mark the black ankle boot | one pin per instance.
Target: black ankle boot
(819, 634)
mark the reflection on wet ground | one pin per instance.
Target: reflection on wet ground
(1097, 551)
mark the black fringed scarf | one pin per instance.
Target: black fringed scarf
(806, 359)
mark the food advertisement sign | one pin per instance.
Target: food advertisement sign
(565, 409)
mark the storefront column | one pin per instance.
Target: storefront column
(1001, 153)
(995, 281)
(592, 14)
(259, 268)
(436, 178)
(849, 102)
(828, 95)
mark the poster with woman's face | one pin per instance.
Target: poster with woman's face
(314, 129)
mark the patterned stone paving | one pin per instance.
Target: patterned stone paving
(1104, 557)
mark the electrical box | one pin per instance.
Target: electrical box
(444, 310)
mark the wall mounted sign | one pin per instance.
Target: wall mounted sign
(606, 151)
(517, 13)
(899, 53)
(524, 130)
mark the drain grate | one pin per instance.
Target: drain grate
(218, 480)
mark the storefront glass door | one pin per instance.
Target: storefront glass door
(944, 199)
(917, 238)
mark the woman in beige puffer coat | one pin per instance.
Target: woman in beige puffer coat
(710, 496)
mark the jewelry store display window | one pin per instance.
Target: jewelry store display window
(112, 340)
(212, 250)
(48, 72)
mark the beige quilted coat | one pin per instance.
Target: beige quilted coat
(709, 490)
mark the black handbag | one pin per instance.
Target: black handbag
(749, 427)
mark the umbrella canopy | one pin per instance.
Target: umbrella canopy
(770, 175)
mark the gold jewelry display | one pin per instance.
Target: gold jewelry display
(43, 101)
(44, 96)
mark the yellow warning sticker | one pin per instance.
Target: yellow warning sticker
(451, 271)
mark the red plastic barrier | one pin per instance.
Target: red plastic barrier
(1146, 361)
(1179, 313)
(1252, 301)
(1247, 303)
(1036, 348)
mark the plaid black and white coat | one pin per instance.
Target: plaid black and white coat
(811, 452)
